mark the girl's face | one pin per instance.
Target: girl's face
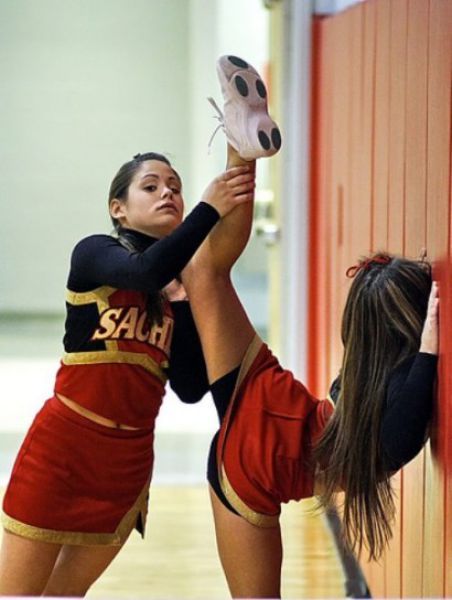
(154, 203)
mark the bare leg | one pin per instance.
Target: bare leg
(251, 556)
(77, 568)
(222, 323)
(25, 565)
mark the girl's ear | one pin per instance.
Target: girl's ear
(117, 209)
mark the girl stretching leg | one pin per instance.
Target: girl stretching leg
(276, 441)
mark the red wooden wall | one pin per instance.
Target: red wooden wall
(381, 179)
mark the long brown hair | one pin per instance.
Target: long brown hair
(381, 326)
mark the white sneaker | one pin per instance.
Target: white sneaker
(246, 122)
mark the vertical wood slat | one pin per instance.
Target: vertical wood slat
(438, 164)
(319, 255)
(393, 562)
(381, 127)
(396, 194)
(371, 164)
(339, 199)
(415, 232)
(416, 127)
(445, 411)
(361, 59)
(396, 141)
(373, 161)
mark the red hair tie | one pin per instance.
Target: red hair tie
(366, 264)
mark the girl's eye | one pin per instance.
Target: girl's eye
(151, 188)
(175, 190)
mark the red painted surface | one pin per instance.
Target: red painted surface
(381, 179)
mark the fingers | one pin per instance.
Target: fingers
(433, 301)
(240, 181)
(430, 333)
(235, 172)
(242, 198)
(422, 254)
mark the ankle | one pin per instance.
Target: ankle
(235, 160)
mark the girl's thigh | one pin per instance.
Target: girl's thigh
(251, 556)
(25, 565)
(77, 568)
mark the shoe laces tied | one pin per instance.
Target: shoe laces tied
(220, 118)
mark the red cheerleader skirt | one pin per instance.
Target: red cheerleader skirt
(77, 482)
(266, 438)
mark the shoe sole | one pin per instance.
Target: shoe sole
(248, 126)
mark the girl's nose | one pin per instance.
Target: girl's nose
(166, 192)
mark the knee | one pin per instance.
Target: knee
(204, 278)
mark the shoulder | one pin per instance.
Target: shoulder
(415, 369)
(94, 241)
(92, 244)
(418, 362)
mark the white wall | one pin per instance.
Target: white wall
(84, 85)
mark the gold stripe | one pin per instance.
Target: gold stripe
(75, 538)
(250, 355)
(330, 400)
(253, 517)
(99, 295)
(130, 358)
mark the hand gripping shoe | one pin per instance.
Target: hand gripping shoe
(245, 120)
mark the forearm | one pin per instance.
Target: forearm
(103, 260)
(408, 412)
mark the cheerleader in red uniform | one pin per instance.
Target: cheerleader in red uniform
(80, 481)
(276, 441)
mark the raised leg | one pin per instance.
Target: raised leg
(251, 556)
(223, 325)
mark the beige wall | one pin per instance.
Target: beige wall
(84, 85)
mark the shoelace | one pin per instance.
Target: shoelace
(220, 118)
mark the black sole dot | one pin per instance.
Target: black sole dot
(264, 140)
(238, 62)
(260, 87)
(241, 86)
(276, 138)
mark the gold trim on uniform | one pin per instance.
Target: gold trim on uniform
(75, 538)
(330, 400)
(97, 296)
(117, 356)
(235, 501)
(244, 511)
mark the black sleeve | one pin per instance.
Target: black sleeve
(187, 371)
(408, 410)
(102, 260)
(335, 388)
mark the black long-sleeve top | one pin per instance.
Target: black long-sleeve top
(102, 262)
(407, 409)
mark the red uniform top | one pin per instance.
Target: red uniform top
(124, 381)
(115, 363)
